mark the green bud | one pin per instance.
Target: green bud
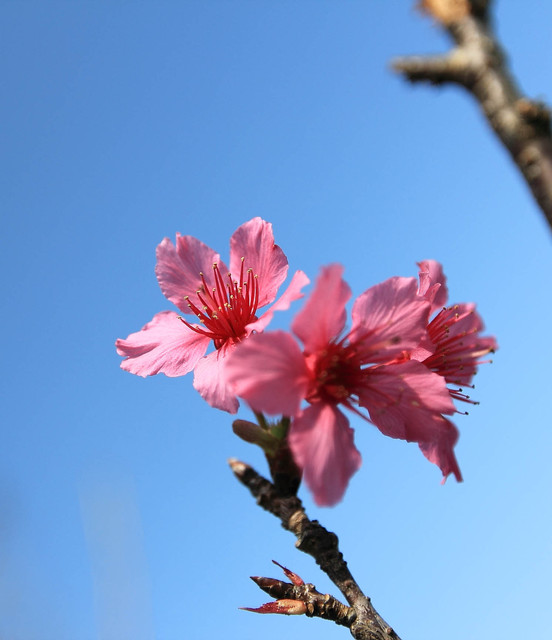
(280, 429)
(253, 433)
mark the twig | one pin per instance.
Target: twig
(322, 545)
(302, 598)
(478, 64)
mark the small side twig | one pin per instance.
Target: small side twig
(478, 64)
(300, 598)
(323, 546)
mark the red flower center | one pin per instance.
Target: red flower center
(337, 373)
(227, 308)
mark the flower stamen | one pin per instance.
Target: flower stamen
(227, 308)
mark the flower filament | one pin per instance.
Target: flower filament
(457, 354)
(227, 308)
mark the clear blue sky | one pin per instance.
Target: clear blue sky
(125, 122)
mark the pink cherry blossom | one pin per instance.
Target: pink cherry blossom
(226, 302)
(334, 370)
(453, 347)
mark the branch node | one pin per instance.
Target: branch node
(535, 113)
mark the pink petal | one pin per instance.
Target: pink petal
(424, 350)
(178, 268)
(293, 292)
(402, 399)
(441, 450)
(433, 284)
(209, 380)
(323, 316)
(268, 370)
(322, 444)
(406, 403)
(164, 345)
(254, 241)
(389, 318)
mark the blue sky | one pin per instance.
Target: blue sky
(123, 123)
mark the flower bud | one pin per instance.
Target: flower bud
(273, 587)
(286, 607)
(253, 433)
(295, 579)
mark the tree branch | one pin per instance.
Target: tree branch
(478, 64)
(322, 545)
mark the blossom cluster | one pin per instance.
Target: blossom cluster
(406, 356)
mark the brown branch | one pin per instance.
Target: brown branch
(322, 545)
(478, 64)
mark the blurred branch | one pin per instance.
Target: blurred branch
(478, 63)
(363, 622)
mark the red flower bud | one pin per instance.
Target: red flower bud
(285, 607)
(295, 579)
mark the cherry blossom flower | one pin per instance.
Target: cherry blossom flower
(334, 370)
(453, 347)
(226, 302)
